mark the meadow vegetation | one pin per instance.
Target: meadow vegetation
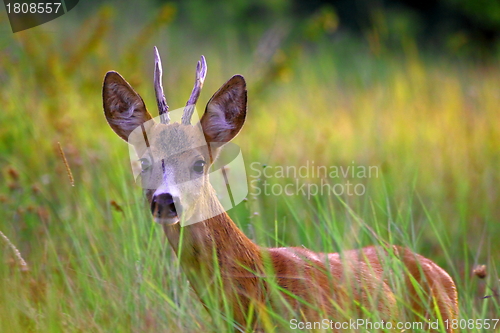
(96, 262)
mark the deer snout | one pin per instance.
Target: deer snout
(165, 208)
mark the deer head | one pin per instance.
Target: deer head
(176, 157)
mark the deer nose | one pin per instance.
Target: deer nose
(163, 205)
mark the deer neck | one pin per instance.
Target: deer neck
(198, 244)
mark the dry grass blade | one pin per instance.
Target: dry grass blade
(68, 170)
(21, 261)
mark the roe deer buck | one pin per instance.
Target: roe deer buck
(315, 285)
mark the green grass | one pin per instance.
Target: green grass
(97, 262)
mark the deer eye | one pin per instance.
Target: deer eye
(198, 166)
(145, 164)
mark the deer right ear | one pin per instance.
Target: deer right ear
(226, 111)
(123, 107)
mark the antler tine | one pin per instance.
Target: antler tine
(160, 97)
(201, 73)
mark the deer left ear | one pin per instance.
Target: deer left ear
(226, 111)
(123, 107)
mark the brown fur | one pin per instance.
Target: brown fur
(353, 280)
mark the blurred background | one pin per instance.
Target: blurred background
(411, 87)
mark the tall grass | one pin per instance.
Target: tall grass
(96, 260)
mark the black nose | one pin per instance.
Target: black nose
(163, 205)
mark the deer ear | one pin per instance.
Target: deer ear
(226, 111)
(123, 107)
